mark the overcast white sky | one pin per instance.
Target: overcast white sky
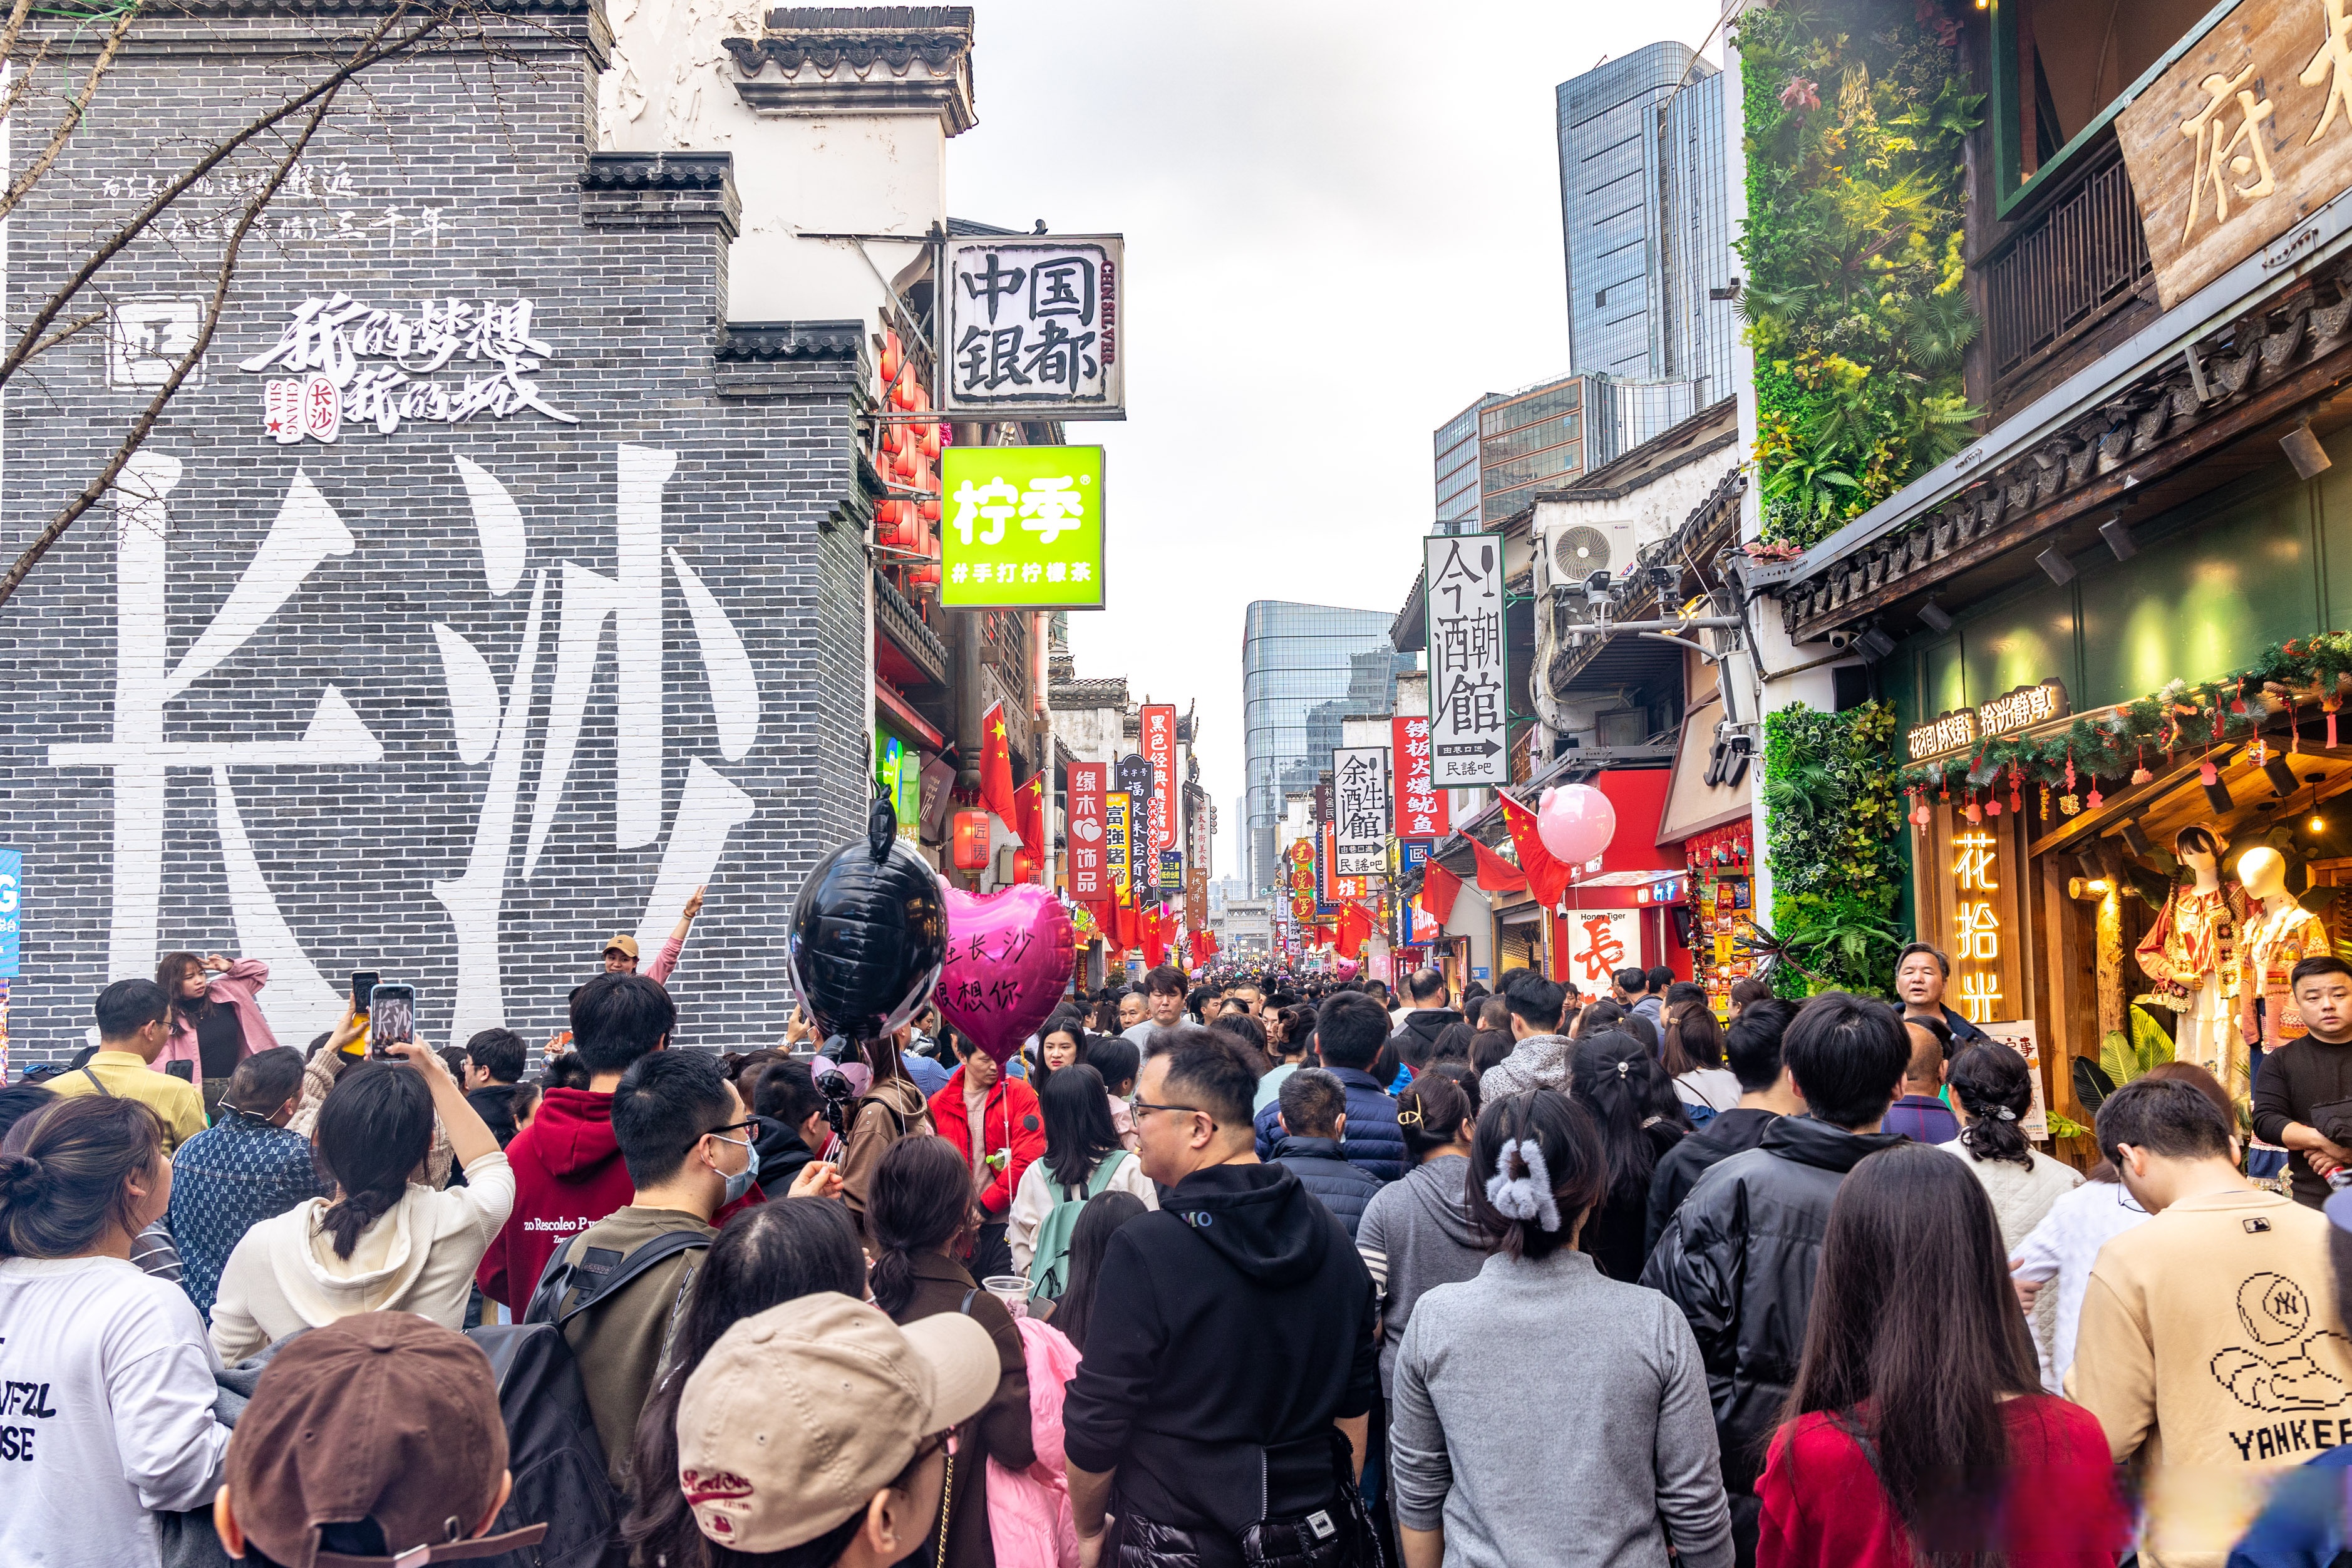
(1342, 224)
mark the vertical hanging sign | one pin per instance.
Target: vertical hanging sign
(1359, 789)
(1469, 673)
(1118, 850)
(1420, 809)
(1090, 880)
(1158, 721)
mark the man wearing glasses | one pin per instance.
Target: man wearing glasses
(1230, 1362)
(688, 1144)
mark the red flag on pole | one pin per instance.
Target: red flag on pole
(996, 766)
(1439, 888)
(1355, 925)
(1496, 875)
(1547, 874)
(1032, 807)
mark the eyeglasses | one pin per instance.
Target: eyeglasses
(1189, 1109)
(744, 1125)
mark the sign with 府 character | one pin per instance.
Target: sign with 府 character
(1020, 528)
(2242, 137)
(1359, 790)
(1469, 673)
(1031, 327)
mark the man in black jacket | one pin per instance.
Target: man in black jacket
(1751, 1049)
(493, 1063)
(1313, 1116)
(1428, 1019)
(1740, 1255)
(1230, 1364)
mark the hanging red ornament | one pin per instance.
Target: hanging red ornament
(2238, 700)
(1992, 806)
(2069, 803)
(2069, 767)
(2328, 706)
(2207, 774)
(2045, 801)
(2092, 800)
(2016, 787)
(2217, 721)
(1974, 813)
(2258, 753)
(2140, 775)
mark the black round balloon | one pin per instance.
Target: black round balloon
(869, 937)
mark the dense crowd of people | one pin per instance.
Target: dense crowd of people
(1253, 1269)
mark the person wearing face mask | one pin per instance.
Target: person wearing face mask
(691, 1150)
(244, 1169)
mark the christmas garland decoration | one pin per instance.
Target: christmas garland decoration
(2183, 719)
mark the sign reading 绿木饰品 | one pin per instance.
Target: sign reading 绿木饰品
(1031, 328)
(1020, 528)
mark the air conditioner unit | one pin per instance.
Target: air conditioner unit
(1570, 548)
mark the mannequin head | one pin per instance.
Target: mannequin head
(2263, 871)
(2200, 847)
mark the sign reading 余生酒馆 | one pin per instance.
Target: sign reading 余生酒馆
(1469, 675)
(1359, 803)
(1032, 328)
(1020, 528)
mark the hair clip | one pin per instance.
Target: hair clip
(1408, 1119)
(2003, 1111)
(1623, 1068)
(1528, 1194)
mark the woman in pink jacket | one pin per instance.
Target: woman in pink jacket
(216, 1021)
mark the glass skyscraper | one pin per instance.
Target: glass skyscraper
(1297, 659)
(1647, 220)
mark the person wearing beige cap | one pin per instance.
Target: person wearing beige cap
(621, 952)
(364, 1441)
(820, 1427)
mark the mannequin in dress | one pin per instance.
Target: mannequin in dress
(2280, 934)
(2192, 955)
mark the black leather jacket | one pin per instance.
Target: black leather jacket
(1738, 1258)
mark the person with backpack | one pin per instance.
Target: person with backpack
(888, 1108)
(1082, 1157)
(1099, 1218)
(766, 1255)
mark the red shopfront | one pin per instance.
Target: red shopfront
(1623, 914)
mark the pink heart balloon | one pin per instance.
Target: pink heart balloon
(1008, 957)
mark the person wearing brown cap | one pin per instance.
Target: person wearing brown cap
(820, 1425)
(620, 953)
(367, 1440)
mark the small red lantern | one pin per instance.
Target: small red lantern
(928, 509)
(906, 393)
(894, 438)
(931, 442)
(971, 840)
(1024, 865)
(893, 354)
(904, 463)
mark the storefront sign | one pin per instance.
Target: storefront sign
(2242, 137)
(1171, 871)
(1601, 942)
(1021, 528)
(900, 770)
(1032, 328)
(1359, 781)
(1158, 722)
(1118, 850)
(332, 335)
(1964, 729)
(1421, 806)
(12, 896)
(1469, 673)
(2019, 1036)
(1090, 868)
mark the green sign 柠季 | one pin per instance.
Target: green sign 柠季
(1021, 528)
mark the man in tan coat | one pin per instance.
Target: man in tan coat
(2211, 1346)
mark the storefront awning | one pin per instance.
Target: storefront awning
(1694, 806)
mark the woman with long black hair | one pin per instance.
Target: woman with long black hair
(1089, 1239)
(1917, 1431)
(1082, 1157)
(768, 1253)
(1632, 1101)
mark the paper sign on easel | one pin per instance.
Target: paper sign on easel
(2019, 1036)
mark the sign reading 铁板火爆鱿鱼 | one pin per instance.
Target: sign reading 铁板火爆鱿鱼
(1031, 328)
(1021, 528)
(1962, 729)
(2242, 137)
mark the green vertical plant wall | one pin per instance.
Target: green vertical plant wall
(1856, 113)
(1832, 814)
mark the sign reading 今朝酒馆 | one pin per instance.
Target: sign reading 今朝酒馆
(1469, 673)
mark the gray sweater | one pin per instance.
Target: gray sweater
(1540, 1061)
(1416, 1234)
(1495, 1369)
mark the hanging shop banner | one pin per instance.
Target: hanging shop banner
(1469, 673)
(1964, 729)
(1196, 897)
(1032, 328)
(1359, 789)
(1020, 528)
(1421, 806)
(2245, 135)
(1171, 872)
(1133, 774)
(1158, 722)
(1601, 942)
(1091, 877)
(1118, 852)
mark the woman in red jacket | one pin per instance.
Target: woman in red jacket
(1011, 1134)
(1919, 1416)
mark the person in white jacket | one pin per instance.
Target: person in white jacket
(1080, 1140)
(387, 1241)
(106, 1381)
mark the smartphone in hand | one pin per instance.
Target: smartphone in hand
(391, 1019)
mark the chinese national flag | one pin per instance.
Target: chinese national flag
(1355, 925)
(1129, 927)
(1439, 888)
(1496, 875)
(1155, 938)
(1547, 874)
(1204, 948)
(996, 766)
(1031, 804)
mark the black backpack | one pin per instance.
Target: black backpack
(552, 1450)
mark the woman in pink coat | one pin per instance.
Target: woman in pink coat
(215, 1020)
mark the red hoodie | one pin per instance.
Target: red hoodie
(1010, 1118)
(568, 1174)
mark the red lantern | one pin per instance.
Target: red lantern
(894, 438)
(924, 577)
(906, 393)
(928, 509)
(970, 840)
(893, 355)
(904, 463)
(1024, 865)
(932, 440)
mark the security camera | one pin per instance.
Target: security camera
(1596, 585)
(1840, 638)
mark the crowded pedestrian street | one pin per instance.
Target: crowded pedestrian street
(1054, 785)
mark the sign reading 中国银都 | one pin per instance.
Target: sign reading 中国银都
(1031, 328)
(1469, 673)
(2242, 137)
(1359, 803)
(1020, 528)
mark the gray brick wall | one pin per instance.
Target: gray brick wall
(764, 505)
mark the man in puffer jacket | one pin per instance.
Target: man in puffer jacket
(1540, 1060)
(1313, 1112)
(1429, 1018)
(1740, 1254)
(1349, 1030)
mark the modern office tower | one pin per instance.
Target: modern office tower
(1296, 659)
